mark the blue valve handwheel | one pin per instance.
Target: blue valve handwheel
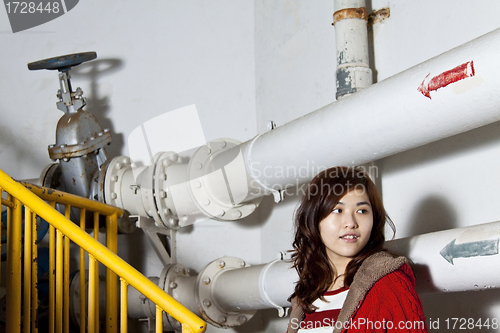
(62, 63)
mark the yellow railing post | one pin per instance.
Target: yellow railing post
(52, 274)
(65, 282)
(27, 270)
(13, 301)
(14, 242)
(123, 305)
(82, 275)
(92, 282)
(96, 275)
(59, 279)
(159, 319)
(111, 278)
(34, 276)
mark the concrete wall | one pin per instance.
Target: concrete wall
(244, 63)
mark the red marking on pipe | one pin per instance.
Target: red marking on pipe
(442, 80)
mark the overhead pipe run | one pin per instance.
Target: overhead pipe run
(225, 180)
(389, 117)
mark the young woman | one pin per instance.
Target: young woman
(347, 282)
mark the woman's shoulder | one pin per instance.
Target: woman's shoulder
(395, 292)
(377, 266)
(402, 276)
(393, 298)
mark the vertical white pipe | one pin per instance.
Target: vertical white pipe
(353, 71)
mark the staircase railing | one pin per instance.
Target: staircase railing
(22, 285)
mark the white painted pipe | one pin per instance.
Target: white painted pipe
(452, 93)
(420, 105)
(389, 117)
(461, 259)
(255, 287)
(454, 260)
(351, 38)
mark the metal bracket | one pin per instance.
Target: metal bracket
(278, 196)
(163, 240)
(271, 125)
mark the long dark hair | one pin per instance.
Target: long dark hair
(309, 254)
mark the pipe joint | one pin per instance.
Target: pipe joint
(352, 79)
(350, 13)
(211, 307)
(218, 181)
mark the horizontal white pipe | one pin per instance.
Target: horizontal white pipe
(461, 259)
(389, 117)
(256, 287)
(454, 260)
(469, 263)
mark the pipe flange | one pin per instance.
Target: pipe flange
(113, 180)
(210, 311)
(167, 282)
(163, 199)
(51, 176)
(101, 139)
(126, 225)
(101, 178)
(201, 174)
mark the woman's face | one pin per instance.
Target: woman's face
(346, 230)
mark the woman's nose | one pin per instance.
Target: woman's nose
(350, 221)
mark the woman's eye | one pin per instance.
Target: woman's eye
(362, 211)
(337, 211)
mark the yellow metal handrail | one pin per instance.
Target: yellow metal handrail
(34, 198)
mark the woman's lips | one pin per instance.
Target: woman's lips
(349, 237)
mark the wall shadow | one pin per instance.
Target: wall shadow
(96, 103)
(433, 213)
(371, 44)
(132, 249)
(459, 144)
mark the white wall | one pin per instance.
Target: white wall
(244, 63)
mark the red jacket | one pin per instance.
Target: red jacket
(381, 298)
(391, 305)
